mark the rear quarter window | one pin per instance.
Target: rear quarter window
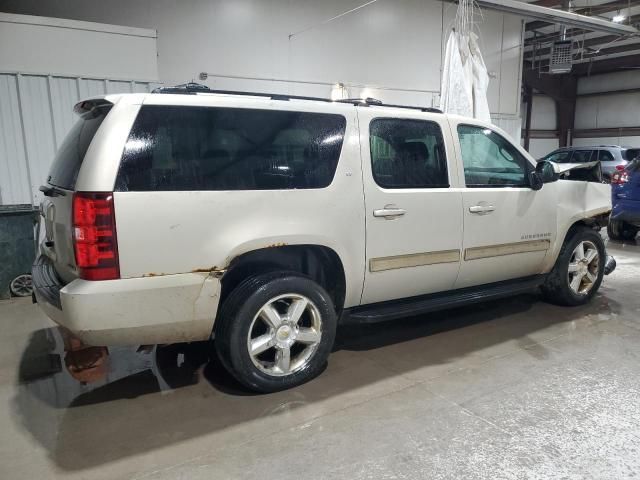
(68, 159)
(211, 148)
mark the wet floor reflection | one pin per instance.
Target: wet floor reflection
(182, 392)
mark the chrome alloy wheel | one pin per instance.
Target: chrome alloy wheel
(284, 334)
(583, 268)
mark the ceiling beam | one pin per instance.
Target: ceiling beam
(548, 3)
(590, 67)
(591, 42)
(593, 10)
(550, 37)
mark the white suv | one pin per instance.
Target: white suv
(261, 222)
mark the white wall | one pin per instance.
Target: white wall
(539, 147)
(631, 141)
(612, 110)
(63, 47)
(393, 44)
(608, 111)
(608, 82)
(46, 66)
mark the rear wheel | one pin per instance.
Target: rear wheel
(618, 230)
(276, 331)
(578, 271)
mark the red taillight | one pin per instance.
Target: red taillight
(94, 236)
(619, 168)
(618, 178)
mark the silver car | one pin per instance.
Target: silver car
(610, 156)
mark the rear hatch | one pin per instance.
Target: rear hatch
(56, 225)
(631, 189)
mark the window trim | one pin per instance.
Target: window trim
(444, 144)
(528, 167)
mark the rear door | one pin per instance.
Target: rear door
(55, 237)
(413, 216)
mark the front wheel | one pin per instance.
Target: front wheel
(276, 331)
(578, 271)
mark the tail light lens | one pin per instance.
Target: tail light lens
(619, 178)
(94, 236)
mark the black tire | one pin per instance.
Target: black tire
(618, 230)
(556, 288)
(237, 317)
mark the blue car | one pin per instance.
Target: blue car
(624, 222)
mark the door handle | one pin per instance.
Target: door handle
(482, 209)
(389, 212)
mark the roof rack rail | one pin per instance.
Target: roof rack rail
(193, 88)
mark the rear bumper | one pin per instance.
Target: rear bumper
(131, 311)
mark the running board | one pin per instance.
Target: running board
(407, 307)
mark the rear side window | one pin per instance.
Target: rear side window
(205, 148)
(68, 159)
(605, 156)
(407, 154)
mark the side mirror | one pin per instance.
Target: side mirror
(547, 171)
(535, 181)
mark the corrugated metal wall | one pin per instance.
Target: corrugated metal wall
(36, 112)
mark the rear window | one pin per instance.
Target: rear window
(630, 154)
(634, 166)
(206, 148)
(68, 159)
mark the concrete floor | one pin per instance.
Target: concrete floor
(509, 389)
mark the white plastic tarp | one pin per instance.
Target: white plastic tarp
(464, 78)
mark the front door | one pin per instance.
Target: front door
(508, 227)
(413, 216)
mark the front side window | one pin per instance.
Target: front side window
(562, 156)
(205, 148)
(407, 154)
(491, 160)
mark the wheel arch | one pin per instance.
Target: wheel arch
(318, 262)
(595, 222)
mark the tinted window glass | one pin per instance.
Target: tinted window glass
(581, 156)
(68, 160)
(407, 154)
(562, 156)
(490, 160)
(630, 153)
(202, 148)
(605, 156)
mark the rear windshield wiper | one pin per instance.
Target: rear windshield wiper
(51, 191)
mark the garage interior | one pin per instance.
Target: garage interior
(512, 388)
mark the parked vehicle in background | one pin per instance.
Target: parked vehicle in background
(612, 157)
(260, 221)
(624, 222)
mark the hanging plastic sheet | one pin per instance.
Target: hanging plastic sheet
(464, 78)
